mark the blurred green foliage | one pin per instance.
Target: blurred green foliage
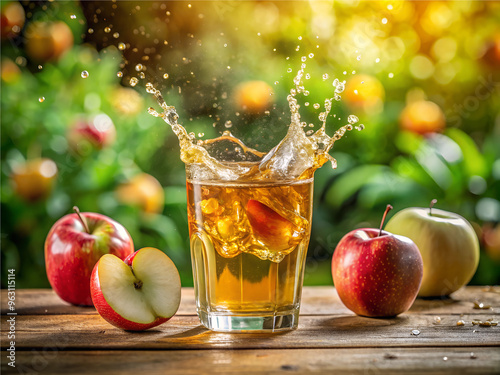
(422, 51)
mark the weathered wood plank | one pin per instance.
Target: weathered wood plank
(185, 332)
(315, 301)
(431, 361)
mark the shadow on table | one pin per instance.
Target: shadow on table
(361, 323)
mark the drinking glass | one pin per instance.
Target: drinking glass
(248, 244)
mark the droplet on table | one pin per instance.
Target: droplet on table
(460, 323)
(415, 332)
(481, 306)
(445, 358)
(473, 355)
(437, 319)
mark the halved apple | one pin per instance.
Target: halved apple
(138, 293)
(269, 227)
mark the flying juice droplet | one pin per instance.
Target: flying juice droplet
(165, 76)
(352, 119)
(41, 99)
(84, 74)
(133, 81)
(122, 46)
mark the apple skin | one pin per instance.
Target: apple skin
(34, 180)
(376, 276)
(47, 41)
(71, 253)
(12, 20)
(143, 191)
(97, 133)
(448, 244)
(269, 226)
(253, 97)
(108, 313)
(422, 117)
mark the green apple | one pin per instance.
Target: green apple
(448, 245)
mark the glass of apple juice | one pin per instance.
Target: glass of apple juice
(249, 241)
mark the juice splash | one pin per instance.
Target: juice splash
(296, 156)
(249, 215)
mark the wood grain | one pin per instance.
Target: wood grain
(185, 332)
(315, 301)
(344, 361)
(53, 337)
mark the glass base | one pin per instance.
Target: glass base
(220, 322)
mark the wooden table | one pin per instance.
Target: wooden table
(53, 337)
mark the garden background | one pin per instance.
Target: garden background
(423, 78)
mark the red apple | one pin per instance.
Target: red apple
(97, 133)
(141, 292)
(376, 273)
(269, 227)
(74, 245)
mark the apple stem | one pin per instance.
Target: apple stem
(387, 209)
(138, 284)
(82, 219)
(433, 202)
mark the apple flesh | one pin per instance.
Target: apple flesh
(376, 275)
(448, 244)
(268, 226)
(73, 247)
(141, 292)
